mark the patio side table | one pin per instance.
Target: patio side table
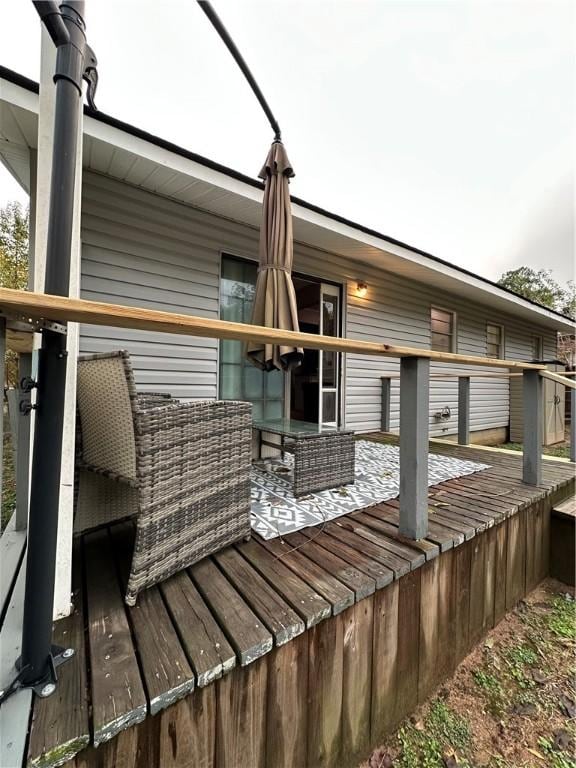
(323, 456)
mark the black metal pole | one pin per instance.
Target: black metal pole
(39, 657)
(239, 59)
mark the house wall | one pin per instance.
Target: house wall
(146, 250)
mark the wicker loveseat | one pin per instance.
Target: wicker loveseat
(181, 470)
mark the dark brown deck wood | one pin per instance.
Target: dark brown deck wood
(380, 573)
(288, 702)
(384, 662)
(325, 671)
(423, 546)
(358, 582)
(240, 725)
(329, 587)
(60, 726)
(358, 525)
(276, 615)
(118, 698)
(362, 539)
(165, 669)
(311, 606)
(206, 645)
(244, 629)
(356, 680)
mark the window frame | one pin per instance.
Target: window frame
(453, 336)
(502, 353)
(540, 342)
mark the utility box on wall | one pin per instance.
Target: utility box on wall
(553, 411)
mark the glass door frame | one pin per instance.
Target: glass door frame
(335, 291)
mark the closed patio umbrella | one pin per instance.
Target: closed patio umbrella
(274, 298)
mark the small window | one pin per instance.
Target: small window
(494, 341)
(537, 348)
(442, 330)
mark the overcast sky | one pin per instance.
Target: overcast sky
(448, 124)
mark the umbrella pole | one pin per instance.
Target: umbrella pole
(75, 61)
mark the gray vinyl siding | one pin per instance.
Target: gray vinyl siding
(143, 249)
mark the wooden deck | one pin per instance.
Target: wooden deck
(301, 652)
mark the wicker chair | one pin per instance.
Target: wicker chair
(181, 470)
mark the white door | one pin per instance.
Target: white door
(329, 362)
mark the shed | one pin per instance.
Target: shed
(554, 407)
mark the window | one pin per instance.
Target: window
(239, 379)
(494, 341)
(442, 330)
(537, 348)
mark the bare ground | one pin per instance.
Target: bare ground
(511, 702)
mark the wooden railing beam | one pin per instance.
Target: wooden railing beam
(64, 309)
(414, 428)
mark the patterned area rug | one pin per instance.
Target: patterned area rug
(275, 511)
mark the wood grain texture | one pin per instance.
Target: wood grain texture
(500, 572)
(165, 669)
(320, 580)
(515, 560)
(206, 645)
(477, 587)
(384, 662)
(311, 606)
(462, 570)
(187, 733)
(60, 728)
(245, 631)
(276, 615)
(358, 582)
(118, 699)
(325, 670)
(63, 309)
(357, 680)
(287, 703)
(407, 668)
(241, 717)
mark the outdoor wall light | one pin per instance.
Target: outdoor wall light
(361, 289)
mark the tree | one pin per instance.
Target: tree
(540, 286)
(13, 264)
(13, 246)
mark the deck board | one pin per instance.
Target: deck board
(60, 726)
(118, 698)
(236, 621)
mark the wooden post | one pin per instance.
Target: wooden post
(533, 431)
(414, 418)
(463, 410)
(573, 425)
(385, 409)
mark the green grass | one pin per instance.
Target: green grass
(443, 730)
(8, 483)
(562, 450)
(562, 619)
(496, 697)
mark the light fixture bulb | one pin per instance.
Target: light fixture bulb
(361, 289)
